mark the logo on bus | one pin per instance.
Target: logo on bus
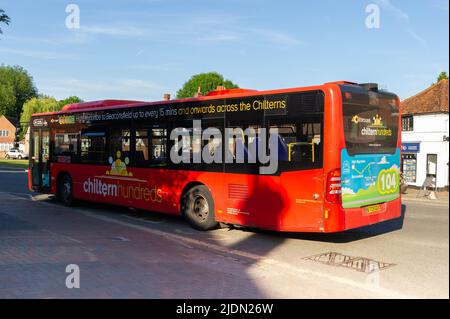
(356, 119)
(124, 185)
(119, 167)
(39, 122)
(375, 126)
(377, 121)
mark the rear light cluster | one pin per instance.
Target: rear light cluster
(334, 189)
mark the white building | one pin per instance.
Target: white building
(425, 133)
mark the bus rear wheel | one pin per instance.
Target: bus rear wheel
(65, 190)
(199, 208)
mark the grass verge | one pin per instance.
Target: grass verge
(12, 163)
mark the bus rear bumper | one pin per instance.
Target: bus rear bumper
(359, 217)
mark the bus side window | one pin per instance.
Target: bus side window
(299, 142)
(242, 142)
(93, 147)
(65, 147)
(142, 150)
(311, 141)
(158, 152)
(120, 141)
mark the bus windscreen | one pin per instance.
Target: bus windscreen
(370, 121)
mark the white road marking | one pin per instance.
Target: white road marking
(13, 171)
(202, 234)
(144, 220)
(64, 236)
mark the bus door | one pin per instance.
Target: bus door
(39, 160)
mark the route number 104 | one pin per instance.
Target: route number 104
(388, 181)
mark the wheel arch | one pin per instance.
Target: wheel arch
(59, 177)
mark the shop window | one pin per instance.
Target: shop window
(409, 167)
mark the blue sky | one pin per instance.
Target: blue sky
(143, 48)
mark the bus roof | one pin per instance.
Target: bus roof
(114, 104)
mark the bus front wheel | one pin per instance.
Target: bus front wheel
(199, 208)
(65, 190)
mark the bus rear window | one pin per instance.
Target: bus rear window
(370, 122)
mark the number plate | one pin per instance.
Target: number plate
(373, 209)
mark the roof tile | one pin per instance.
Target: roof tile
(431, 100)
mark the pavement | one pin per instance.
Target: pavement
(123, 253)
(412, 194)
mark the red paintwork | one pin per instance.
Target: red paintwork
(229, 91)
(281, 203)
(30, 186)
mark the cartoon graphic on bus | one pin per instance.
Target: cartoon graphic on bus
(118, 167)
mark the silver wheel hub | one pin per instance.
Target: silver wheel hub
(200, 207)
(67, 189)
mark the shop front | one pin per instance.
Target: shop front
(409, 162)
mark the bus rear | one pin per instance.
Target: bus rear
(367, 185)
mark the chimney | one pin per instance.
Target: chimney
(199, 92)
(220, 88)
(166, 97)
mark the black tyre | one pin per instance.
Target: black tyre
(7, 156)
(19, 157)
(65, 190)
(198, 208)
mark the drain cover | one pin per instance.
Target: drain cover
(361, 264)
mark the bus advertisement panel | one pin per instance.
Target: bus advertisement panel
(370, 162)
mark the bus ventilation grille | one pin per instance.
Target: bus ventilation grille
(237, 191)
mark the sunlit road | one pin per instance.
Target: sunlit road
(126, 254)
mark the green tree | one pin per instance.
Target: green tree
(16, 81)
(69, 100)
(442, 76)
(7, 99)
(41, 104)
(4, 19)
(36, 105)
(206, 81)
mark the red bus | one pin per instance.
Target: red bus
(338, 157)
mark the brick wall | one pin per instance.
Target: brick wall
(7, 135)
